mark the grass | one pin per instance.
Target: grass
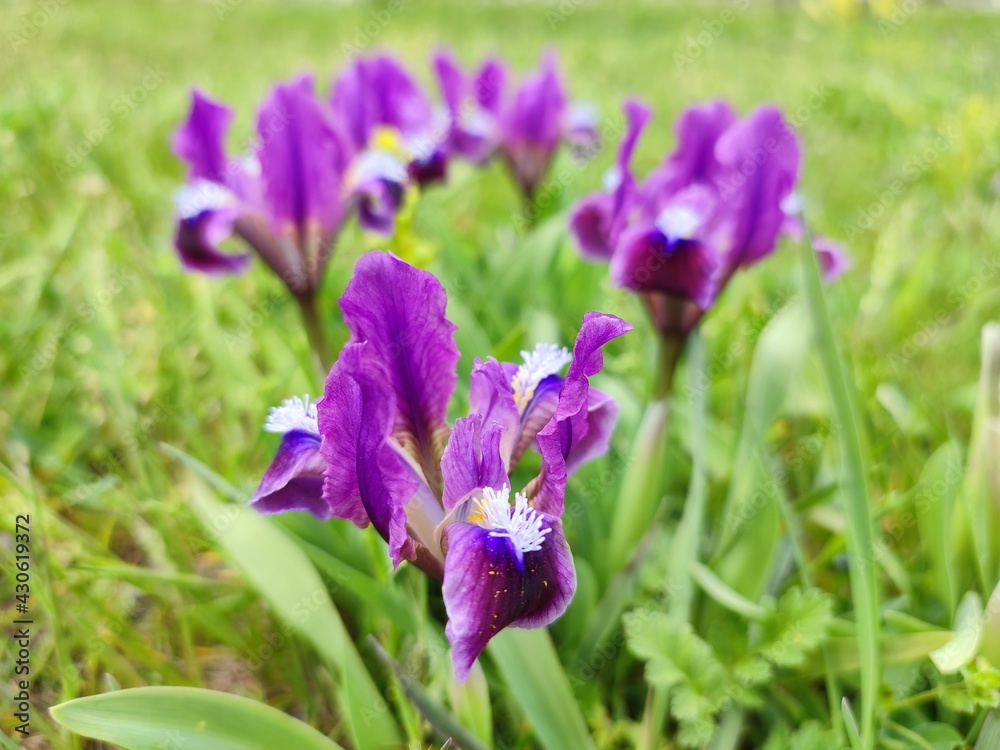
(108, 349)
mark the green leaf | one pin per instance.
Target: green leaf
(795, 626)
(751, 518)
(938, 736)
(159, 718)
(933, 506)
(958, 652)
(680, 662)
(858, 531)
(537, 683)
(989, 735)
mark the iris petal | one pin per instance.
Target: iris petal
(294, 480)
(489, 585)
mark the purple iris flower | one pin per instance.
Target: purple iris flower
(388, 118)
(441, 496)
(285, 198)
(525, 127)
(718, 203)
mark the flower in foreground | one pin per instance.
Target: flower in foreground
(525, 126)
(377, 449)
(717, 204)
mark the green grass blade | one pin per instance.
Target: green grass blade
(857, 504)
(156, 718)
(446, 725)
(537, 682)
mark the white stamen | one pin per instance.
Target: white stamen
(678, 222)
(294, 414)
(518, 522)
(376, 164)
(202, 195)
(545, 360)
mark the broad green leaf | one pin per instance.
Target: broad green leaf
(795, 626)
(751, 519)
(989, 735)
(537, 683)
(933, 501)
(160, 718)
(939, 736)
(962, 649)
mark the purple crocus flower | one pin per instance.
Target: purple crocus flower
(525, 127)
(285, 198)
(440, 496)
(718, 203)
(388, 118)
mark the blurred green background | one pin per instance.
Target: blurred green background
(107, 348)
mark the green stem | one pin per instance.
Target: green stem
(314, 329)
(670, 353)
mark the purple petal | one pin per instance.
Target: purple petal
(570, 425)
(694, 160)
(488, 586)
(492, 397)
(598, 220)
(400, 311)
(646, 260)
(833, 258)
(490, 82)
(450, 78)
(761, 156)
(532, 125)
(472, 459)
(377, 91)
(294, 480)
(602, 416)
(378, 202)
(302, 160)
(591, 221)
(367, 479)
(197, 239)
(201, 140)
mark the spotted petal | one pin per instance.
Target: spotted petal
(489, 585)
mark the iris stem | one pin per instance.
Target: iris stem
(314, 330)
(670, 353)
